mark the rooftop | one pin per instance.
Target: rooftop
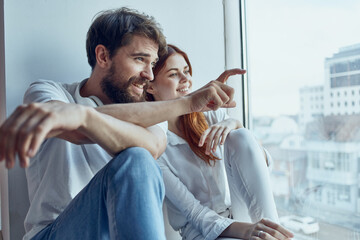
(347, 51)
(344, 128)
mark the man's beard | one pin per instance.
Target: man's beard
(119, 93)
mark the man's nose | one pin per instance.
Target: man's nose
(147, 73)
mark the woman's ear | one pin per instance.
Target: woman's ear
(102, 56)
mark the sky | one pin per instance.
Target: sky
(288, 42)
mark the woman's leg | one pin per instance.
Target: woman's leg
(248, 177)
(122, 201)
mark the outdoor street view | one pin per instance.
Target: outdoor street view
(304, 74)
(316, 171)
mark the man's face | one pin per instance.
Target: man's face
(130, 70)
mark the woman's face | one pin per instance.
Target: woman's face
(173, 80)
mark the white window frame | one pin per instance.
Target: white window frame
(236, 56)
(3, 171)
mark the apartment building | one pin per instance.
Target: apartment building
(340, 94)
(329, 121)
(311, 104)
(321, 162)
(342, 82)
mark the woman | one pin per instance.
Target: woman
(209, 158)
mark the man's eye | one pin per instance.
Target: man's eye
(140, 58)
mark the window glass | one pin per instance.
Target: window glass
(304, 75)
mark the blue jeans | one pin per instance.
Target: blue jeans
(122, 201)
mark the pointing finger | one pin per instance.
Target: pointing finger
(226, 74)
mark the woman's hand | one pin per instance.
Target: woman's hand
(264, 229)
(216, 134)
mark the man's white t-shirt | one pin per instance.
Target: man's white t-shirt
(60, 170)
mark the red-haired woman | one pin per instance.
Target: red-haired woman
(209, 159)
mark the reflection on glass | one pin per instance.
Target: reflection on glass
(304, 69)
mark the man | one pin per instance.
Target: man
(71, 131)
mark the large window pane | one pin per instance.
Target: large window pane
(304, 71)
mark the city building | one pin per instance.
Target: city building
(342, 82)
(316, 167)
(329, 120)
(311, 104)
(340, 94)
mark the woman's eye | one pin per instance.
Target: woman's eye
(187, 72)
(173, 74)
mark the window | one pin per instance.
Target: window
(328, 141)
(318, 196)
(344, 194)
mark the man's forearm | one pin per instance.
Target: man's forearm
(146, 114)
(212, 96)
(115, 135)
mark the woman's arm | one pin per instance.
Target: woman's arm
(216, 134)
(206, 221)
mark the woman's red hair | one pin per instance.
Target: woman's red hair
(193, 124)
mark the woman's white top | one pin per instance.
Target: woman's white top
(197, 195)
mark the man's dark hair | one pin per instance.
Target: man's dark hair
(115, 28)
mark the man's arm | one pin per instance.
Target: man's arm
(115, 135)
(24, 131)
(212, 96)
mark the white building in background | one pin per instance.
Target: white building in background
(317, 165)
(333, 174)
(340, 94)
(330, 123)
(342, 82)
(311, 104)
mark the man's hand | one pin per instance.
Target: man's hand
(24, 131)
(215, 94)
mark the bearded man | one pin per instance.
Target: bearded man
(89, 147)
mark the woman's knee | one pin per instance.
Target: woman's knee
(241, 139)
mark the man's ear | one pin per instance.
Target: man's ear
(102, 56)
(150, 88)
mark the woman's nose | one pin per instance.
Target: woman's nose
(184, 78)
